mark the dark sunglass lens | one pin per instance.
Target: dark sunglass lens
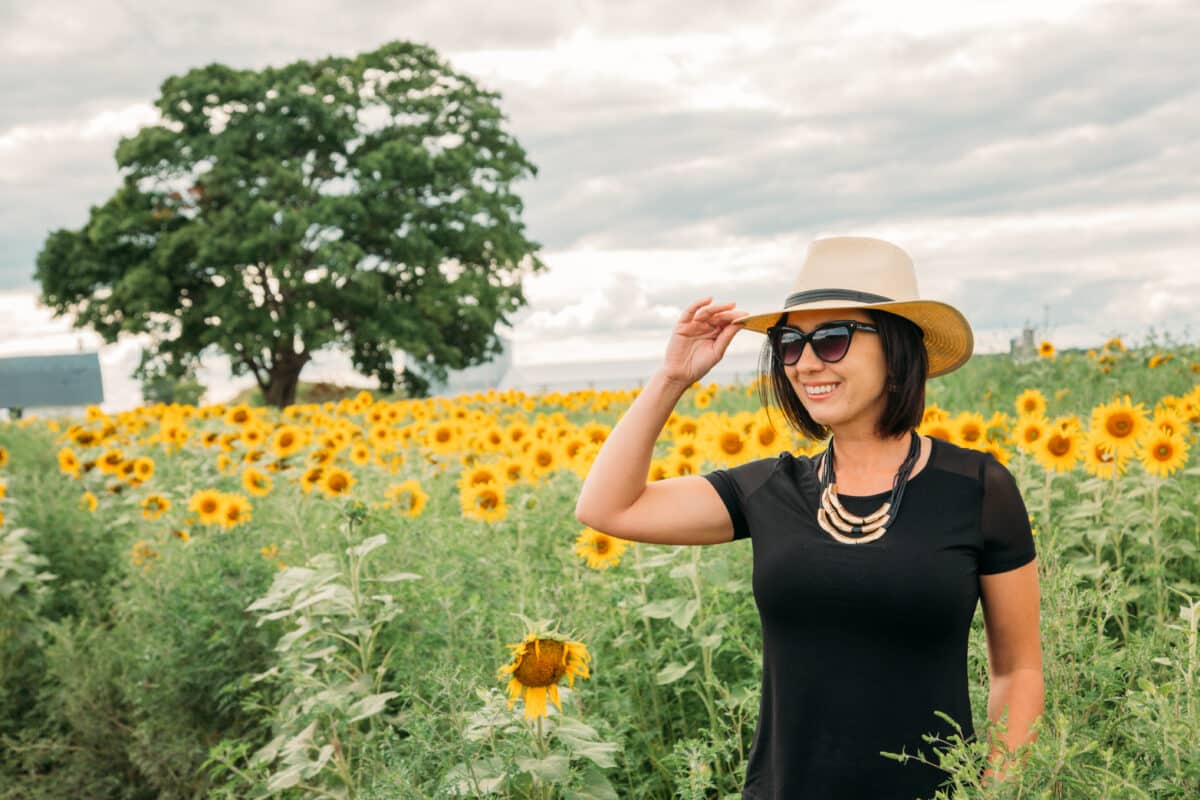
(789, 347)
(830, 344)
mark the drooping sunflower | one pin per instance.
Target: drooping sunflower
(408, 497)
(538, 664)
(111, 461)
(1031, 403)
(1162, 453)
(88, 501)
(155, 506)
(1171, 421)
(1158, 359)
(256, 482)
(600, 550)
(207, 504)
(485, 503)
(1121, 423)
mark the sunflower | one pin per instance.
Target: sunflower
(480, 475)
(934, 413)
(971, 429)
(542, 459)
(155, 506)
(238, 415)
(287, 440)
(1120, 422)
(998, 451)
(1171, 421)
(728, 443)
(235, 510)
(659, 470)
(408, 496)
(111, 461)
(1158, 359)
(1031, 403)
(484, 503)
(539, 663)
(1046, 350)
(207, 504)
(336, 481)
(1099, 458)
(1060, 449)
(1162, 453)
(143, 467)
(939, 429)
(599, 549)
(143, 554)
(1029, 430)
(3, 456)
(255, 482)
(68, 462)
(678, 466)
(88, 501)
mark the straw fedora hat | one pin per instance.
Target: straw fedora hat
(861, 272)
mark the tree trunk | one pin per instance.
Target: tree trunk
(284, 376)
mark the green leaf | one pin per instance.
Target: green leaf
(396, 577)
(673, 672)
(594, 786)
(553, 768)
(370, 705)
(368, 545)
(682, 617)
(661, 609)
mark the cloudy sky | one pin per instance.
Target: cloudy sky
(1038, 158)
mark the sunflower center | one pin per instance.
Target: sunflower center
(1163, 452)
(1059, 445)
(208, 507)
(1032, 435)
(488, 500)
(544, 459)
(337, 483)
(1120, 425)
(542, 663)
(731, 443)
(286, 440)
(601, 546)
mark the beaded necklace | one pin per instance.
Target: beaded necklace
(837, 522)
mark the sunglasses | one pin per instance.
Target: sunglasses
(830, 340)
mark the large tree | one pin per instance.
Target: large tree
(357, 202)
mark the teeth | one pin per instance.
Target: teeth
(826, 389)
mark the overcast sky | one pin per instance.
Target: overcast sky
(1039, 160)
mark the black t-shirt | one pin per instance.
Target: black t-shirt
(862, 642)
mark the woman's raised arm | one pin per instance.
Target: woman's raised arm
(616, 497)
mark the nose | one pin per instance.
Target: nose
(808, 360)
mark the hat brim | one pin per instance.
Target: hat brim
(949, 341)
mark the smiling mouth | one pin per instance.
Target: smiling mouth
(820, 389)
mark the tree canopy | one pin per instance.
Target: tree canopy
(362, 202)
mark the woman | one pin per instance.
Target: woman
(869, 559)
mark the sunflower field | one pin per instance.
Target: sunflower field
(384, 597)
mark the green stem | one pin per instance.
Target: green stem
(1159, 599)
(706, 659)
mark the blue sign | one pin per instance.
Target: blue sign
(69, 379)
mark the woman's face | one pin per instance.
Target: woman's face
(848, 394)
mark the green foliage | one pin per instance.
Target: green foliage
(357, 202)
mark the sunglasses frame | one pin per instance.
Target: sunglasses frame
(852, 325)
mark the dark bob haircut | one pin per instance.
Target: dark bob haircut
(907, 369)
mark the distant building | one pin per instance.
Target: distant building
(1024, 347)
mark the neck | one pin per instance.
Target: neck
(865, 454)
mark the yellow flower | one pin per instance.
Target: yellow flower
(111, 461)
(143, 467)
(255, 482)
(408, 496)
(238, 415)
(485, 503)
(1060, 449)
(68, 463)
(940, 429)
(88, 501)
(539, 663)
(3, 457)
(1158, 359)
(155, 506)
(310, 478)
(235, 510)
(1030, 403)
(1171, 421)
(143, 554)
(287, 440)
(1120, 423)
(1029, 431)
(599, 549)
(1099, 459)
(336, 481)
(207, 504)
(971, 428)
(1161, 453)
(1046, 350)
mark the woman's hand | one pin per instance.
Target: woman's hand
(699, 340)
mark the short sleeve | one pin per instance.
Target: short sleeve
(1007, 534)
(736, 485)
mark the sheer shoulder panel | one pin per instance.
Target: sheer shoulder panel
(1007, 535)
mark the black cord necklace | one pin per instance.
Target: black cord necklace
(837, 522)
